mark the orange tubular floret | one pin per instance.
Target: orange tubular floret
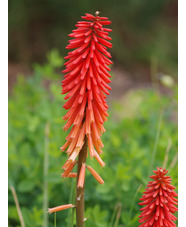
(95, 175)
(68, 169)
(90, 145)
(59, 208)
(98, 158)
(72, 175)
(81, 176)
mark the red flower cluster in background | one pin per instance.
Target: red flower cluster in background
(86, 85)
(159, 201)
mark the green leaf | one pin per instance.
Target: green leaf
(125, 217)
(12, 213)
(27, 217)
(53, 177)
(54, 58)
(26, 186)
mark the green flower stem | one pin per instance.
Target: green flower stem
(156, 142)
(45, 172)
(55, 219)
(133, 202)
(72, 200)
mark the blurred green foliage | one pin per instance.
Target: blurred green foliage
(141, 29)
(129, 141)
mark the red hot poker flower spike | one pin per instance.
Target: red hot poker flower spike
(86, 86)
(159, 201)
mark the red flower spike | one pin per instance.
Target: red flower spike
(159, 200)
(86, 88)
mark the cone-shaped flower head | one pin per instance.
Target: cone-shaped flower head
(159, 200)
(86, 86)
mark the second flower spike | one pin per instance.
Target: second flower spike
(159, 201)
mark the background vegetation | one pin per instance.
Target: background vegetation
(142, 126)
(141, 135)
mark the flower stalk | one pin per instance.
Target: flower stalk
(80, 193)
